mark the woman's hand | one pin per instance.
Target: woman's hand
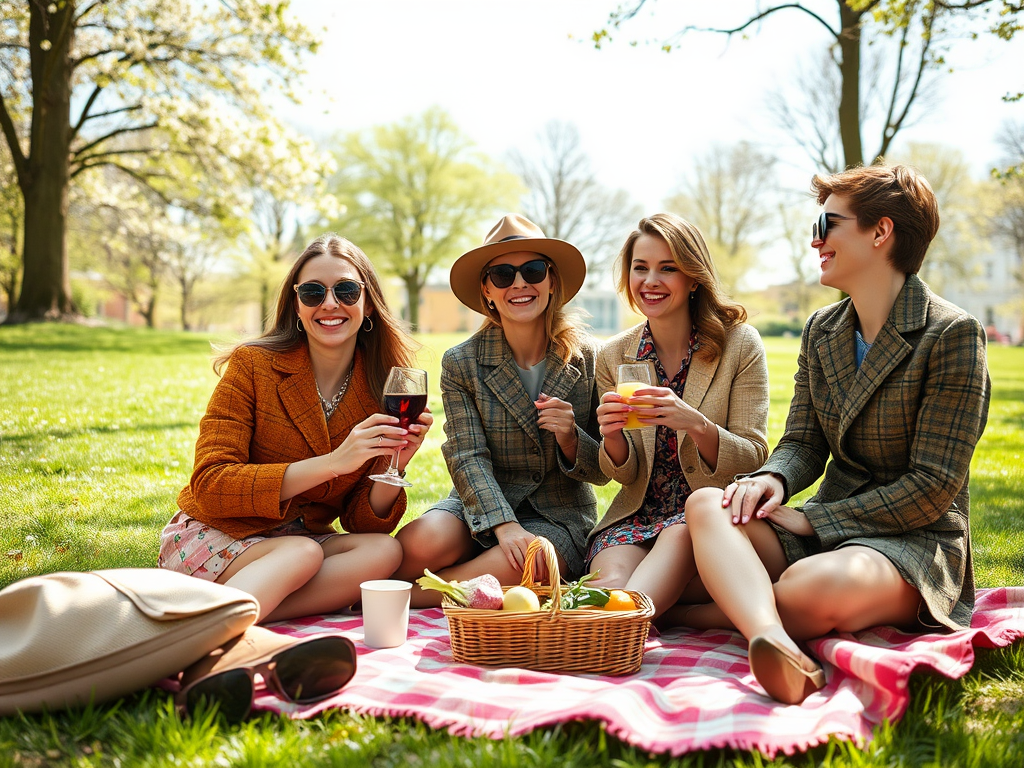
(666, 410)
(414, 438)
(612, 414)
(793, 520)
(376, 435)
(513, 540)
(556, 416)
(751, 497)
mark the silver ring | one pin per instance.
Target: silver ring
(380, 439)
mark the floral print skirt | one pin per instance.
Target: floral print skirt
(633, 530)
(196, 549)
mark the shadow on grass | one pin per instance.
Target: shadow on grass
(27, 439)
(78, 338)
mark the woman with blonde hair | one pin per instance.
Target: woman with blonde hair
(892, 384)
(519, 398)
(293, 430)
(704, 420)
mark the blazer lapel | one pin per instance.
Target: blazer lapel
(887, 351)
(559, 377)
(698, 380)
(648, 435)
(504, 382)
(297, 390)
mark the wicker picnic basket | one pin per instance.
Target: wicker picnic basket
(582, 640)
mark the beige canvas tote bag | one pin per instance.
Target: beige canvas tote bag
(70, 638)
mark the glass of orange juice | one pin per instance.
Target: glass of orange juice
(633, 376)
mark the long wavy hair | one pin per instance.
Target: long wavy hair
(384, 345)
(711, 310)
(561, 325)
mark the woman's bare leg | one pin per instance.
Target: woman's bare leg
(847, 589)
(667, 569)
(272, 569)
(616, 565)
(435, 540)
(348, 561)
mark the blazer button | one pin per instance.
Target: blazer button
(536, 477)
(689, 469)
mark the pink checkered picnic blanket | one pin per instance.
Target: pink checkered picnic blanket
(694, 690)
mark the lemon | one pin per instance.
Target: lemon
(520, 599)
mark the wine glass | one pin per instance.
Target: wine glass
(405, 397)
(631, 377)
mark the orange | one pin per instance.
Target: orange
(619, 600)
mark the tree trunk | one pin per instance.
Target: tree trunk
(412, 288)
(849, 98)
(45, 284)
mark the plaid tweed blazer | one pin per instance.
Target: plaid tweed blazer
(901, 430)
(265, 414)
(732, 392)
(497, 455)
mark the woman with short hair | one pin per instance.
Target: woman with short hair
(892, 384)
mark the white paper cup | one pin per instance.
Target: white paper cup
(385, 612)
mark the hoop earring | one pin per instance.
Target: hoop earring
(298, 324)
(366, 320)
(491, 304)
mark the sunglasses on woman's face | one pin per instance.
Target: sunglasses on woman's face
(819, 230)
(503, 275)
(305, 673)
(312, 294)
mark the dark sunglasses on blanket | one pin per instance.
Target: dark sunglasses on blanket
(503, 275)
(304, 673)
(312, 294)
(819, 229)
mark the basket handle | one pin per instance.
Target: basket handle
(551, 560)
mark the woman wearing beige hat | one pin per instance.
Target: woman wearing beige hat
(520, 401)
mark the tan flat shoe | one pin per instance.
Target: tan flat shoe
(780, 673)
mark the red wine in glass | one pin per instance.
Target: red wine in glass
(406, 408)
(405, 397)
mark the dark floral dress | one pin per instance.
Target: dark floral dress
(668, 490)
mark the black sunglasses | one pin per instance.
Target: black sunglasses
(503, 275)
(310, 671)
(819, 230)
(312, 294)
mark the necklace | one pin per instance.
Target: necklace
(332, 406)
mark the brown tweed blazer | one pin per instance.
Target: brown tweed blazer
(901, 430)
(263, 415)
(497, 455)
(732, 392)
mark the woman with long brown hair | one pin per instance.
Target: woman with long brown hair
(519, 398)
(292, 432)
(704, 420)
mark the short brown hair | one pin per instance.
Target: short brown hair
(711, 311)
(896, 191)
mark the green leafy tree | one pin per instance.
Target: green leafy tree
(77, 78)
(417, 194)
(913, 32)
(11, 216)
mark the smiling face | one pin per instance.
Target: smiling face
(331, 325)
(848, 256)
(521, 302)
(660, 289)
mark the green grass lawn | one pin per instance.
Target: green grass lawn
(97, 431)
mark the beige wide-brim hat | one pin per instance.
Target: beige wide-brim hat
(512, 234)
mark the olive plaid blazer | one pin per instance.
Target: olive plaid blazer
(497, 455)
(901, 430)
(265, 414)
(731, 391)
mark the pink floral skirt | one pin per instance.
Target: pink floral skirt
(196, 549)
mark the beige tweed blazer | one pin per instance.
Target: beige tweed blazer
(732, 392)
